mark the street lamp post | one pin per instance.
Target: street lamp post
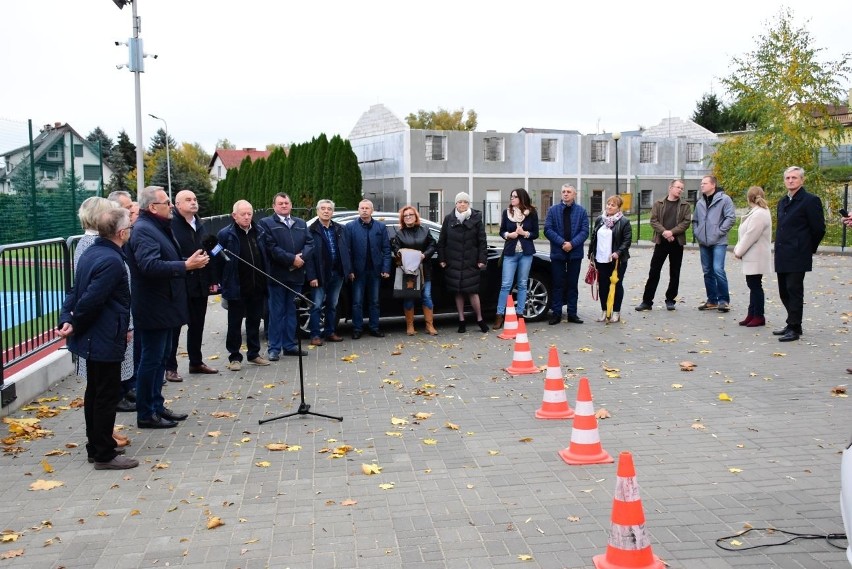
(616, 136)
(168, 161)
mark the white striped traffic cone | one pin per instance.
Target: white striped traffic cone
(510, 325)
(554, 404)
(585, 447)
(522, 361)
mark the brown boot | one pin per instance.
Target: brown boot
(428, 318)
(409, 321)
(498, 322)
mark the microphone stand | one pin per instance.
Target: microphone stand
(304, 408)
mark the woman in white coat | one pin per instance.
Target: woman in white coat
(754, 249)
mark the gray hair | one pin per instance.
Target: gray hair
(239, 203)
(566, 186)
(798, 169)
(325, 202)
(117, 195)
(112, 221)
(91, 210)
(148, 196)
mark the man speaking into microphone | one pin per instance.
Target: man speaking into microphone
(243, 286)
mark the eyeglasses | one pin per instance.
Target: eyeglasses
(167, 202)
(409, 215)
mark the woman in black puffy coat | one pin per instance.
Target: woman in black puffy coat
(462, 253)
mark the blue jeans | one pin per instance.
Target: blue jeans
(518, 265)
(156, 345)
(565, 292)
(370, 281)
(282, 318)
(715, 279)
(425, 297)
(328, 292)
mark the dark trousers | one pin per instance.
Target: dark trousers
(791, 289)
(565, 292)
(756, 298)
(152, 368)
(194, 334)
(250, 308)
(674, 251)
(604, 274)
(103, 390)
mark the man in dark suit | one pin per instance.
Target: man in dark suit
(289, 246)
(369, 248)
(189, 234)
(567, 228)
(799, 230)
(96, 318)
(158, 273)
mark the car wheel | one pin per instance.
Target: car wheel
(538, 298)
(305, 319)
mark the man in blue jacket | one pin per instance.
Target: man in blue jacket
(798, 232)
(95, 319)
(243, 286)
(331, 264)
(158, 273)
(567, 228)
(369, 246)
(289, 246)
(713, 219)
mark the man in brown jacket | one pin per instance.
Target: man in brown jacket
(670, 217)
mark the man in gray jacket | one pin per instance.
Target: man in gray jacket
(713, 219)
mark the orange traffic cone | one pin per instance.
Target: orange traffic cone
(585, 447)
(510, 325)
(629, 542)
(554, 404)
(522, 359)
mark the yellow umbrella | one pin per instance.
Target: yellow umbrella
(610, 298)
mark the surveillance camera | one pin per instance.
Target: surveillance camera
(155, 56)
(118, 43)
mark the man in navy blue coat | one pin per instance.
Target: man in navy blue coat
(289, 246)
(369, 246)
(158, 275)
(567, 228)
(95, 319)
(798, 232)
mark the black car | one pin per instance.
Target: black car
(538, 287)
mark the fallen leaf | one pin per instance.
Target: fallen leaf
(277, 446)
(214, 522)
(398, 421)
(294, 448)
(350, 358)
(677, 386)
(724, 397)
(602, 414)
(735, 470)
(525, 557)
(269, 386)
(223, 414)
(9, 535)
(687, 366)
(838, 391)
(46, 484)
(263, 464)
(137, 512)
(386, 486)
(214, 434)
(573, 519)
(451, 426)
(46, 466)
(736, 543)
(11, 553)
(160, 466)
(778, 354)
(421, 415)
(698, 426)
(349, 502)
(431, 442)
(493, 452)
(393, 433)
(56, 452)
(585, 349)
(525, 440)
(369, 469)
(103, 514)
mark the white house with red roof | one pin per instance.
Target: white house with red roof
(224, 159)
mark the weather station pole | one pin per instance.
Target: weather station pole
(616, 136)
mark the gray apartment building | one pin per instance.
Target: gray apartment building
(426, 168)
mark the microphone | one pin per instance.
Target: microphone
(213, 248)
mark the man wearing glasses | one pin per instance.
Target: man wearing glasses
(159, 304)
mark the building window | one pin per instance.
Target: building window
(49, 172)
(78, 151)
(436, 147)
(645, 198)
(549, 147)
(693, 151)
(599, 148)
(55, 153)
(91, 172)
(691, 195)
(648, 153)
(493, 148)
(218, 172)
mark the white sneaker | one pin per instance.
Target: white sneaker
(234, 365)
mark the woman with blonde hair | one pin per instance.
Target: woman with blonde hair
(412, 238)
(609, 251)
(754, 249)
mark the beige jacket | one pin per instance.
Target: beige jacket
(754, 245)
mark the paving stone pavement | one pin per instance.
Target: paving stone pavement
(494, 489)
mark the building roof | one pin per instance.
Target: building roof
(233, 158)
(378, 120)
(674, 127)
(529, 130)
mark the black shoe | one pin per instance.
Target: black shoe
(670, 305)
(125, 406)
(377, 333)
(790, 336)
(356, 335)
(644, 306)
(574, 319)
(781, 332)
(462, 327)
(170, 415)
(155, 422)
(131, 395)
(554, 320)
(273, 356)
(295, 353)
(483, 326)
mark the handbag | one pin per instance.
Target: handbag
(592, 279)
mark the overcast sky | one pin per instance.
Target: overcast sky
(273, 71)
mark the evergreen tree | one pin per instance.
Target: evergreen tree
(159, 141)
(98, 135)
(317, 184)
(330, 169)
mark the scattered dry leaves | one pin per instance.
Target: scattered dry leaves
(46, 484)
(687, 366)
